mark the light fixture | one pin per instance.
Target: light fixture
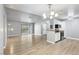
(44, 15)
(51, 17)
(56, 15)
(51, 13)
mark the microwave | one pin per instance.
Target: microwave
(57, 26)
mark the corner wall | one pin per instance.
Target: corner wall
(3, 28)
(37, 29)
(72, 28)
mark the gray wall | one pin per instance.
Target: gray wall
(16, 26)
(3, 31)
(62, 23)
(37, 29)
(22, 16)
(72, 28)
(14, 15)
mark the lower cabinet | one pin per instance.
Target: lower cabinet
(53, 36)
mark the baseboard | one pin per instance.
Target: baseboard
(13, 35)
(72, 38)
(37, 34)
(50, 42)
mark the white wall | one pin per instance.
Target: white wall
(44, 28)
(72, 28)
(3, 34)
(5, 27)
(37, 29)
(62, 23)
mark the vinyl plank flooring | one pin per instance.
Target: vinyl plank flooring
(38, 45)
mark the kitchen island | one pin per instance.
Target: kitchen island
(54, 36)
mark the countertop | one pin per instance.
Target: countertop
(55, 30)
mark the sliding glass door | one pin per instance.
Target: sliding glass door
(27, 28)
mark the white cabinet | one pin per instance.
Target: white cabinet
(50, 36)
(53, 36)
(57, 36)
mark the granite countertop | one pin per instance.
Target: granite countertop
(55, 30)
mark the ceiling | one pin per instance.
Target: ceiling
(39, 9)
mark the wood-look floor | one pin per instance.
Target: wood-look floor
(37, 45)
